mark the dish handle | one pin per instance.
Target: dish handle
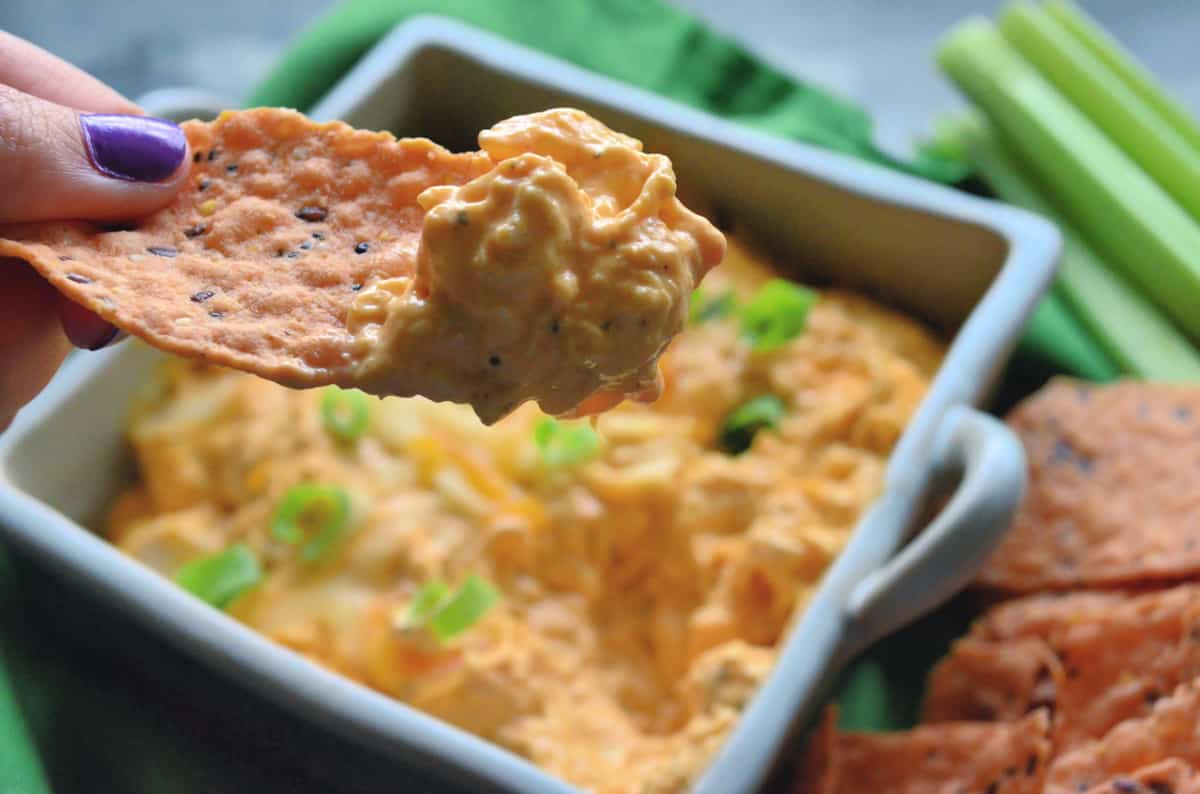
(943, 559)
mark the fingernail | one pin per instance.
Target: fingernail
(134, 148)
(104, 339)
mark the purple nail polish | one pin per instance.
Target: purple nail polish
(134, 148)
(105, 339)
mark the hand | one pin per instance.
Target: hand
(71, 148)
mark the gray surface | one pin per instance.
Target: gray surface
(875, 51)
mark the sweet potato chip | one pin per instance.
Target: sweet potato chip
(1170, 731)
(1110, 658)
(553, 266)
(1165, 777)
(1113, 497)
(984, 757)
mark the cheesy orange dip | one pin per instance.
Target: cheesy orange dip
(561, 273)
(603, 601)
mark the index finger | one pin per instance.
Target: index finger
(27, 67)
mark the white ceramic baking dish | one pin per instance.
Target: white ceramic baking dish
(971, 268)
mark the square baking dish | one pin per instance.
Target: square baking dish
(972, 269)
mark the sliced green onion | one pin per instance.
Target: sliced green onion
(705, 307)
(463, 610)
(744, 422)
(565, 445)
(426, 601)
(315, 515)
(220, 578)
(777, 314)
(346, 412)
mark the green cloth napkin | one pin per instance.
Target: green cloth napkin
(98, 731)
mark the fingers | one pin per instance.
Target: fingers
(57, 164)
(32, 344)
(30, 69)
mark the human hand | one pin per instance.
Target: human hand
(70, 148)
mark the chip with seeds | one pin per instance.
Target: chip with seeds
(986, 757)
(553, 265)
(1165, 777)
(1113, 497)
(1107, 658)
(1171, 731)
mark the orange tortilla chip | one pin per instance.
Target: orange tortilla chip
(1165, 777)
(983, 681)
(1113, 497)
(993, 757)
(256, 264)
(1113, 657)
(1171, 731)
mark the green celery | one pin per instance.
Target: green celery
(1132, 222)
(1114, 107)
(1142, 342)
(1125, 66)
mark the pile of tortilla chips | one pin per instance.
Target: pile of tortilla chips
(1086, 677)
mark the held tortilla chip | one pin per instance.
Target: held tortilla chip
(1112, 657)
(1114, 494)
(554, 265)
(984, 757)
(1170, 731)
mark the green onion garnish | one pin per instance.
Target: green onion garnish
(776, 314)
(446, 616)
(220, 578)
(346, 413)
(565, 445)
(740, 427)
(705, 307)
(317, 515)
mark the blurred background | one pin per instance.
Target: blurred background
(876, 52)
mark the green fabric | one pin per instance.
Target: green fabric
(97, 728)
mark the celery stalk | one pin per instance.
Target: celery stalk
(1114, 107)
(1129, 219)
(1125, 66)
(1139, 339)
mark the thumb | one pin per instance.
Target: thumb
(59, 164)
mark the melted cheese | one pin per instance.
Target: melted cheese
(561, 273)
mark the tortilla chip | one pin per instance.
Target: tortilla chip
(1113, 497)
(817, 771)
(255, 265)
(983, 681)
(1170, 731)
(1111, 656)
(992, 757)
(1165, 777)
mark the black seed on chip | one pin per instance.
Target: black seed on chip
(216, 315)
(204, 183)
(319, 235)
(65, 258)
(117, 227)
(293, 254)
(462, 219)
(202, 296)
(361, 248)
(195, 231)
(78, 279)
(306, 245)
(197, 157)
(355, 287)
(231, 168)
(213, 154)
(163, 250)
(278, 252)
(311, 214)
(554, 326)
(494, 360)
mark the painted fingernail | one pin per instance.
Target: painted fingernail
(104, 339)
(133, 148)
